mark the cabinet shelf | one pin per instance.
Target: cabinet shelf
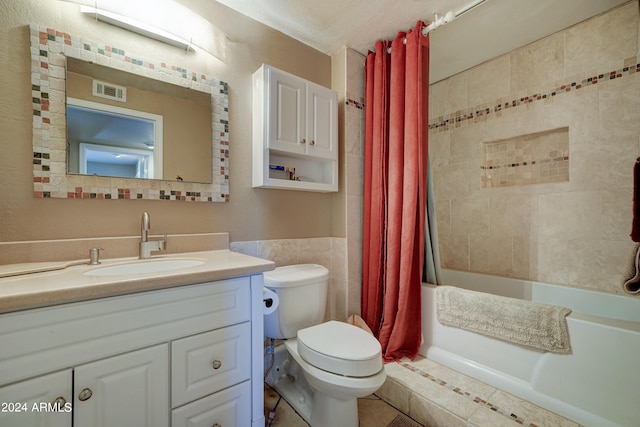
(295, 125)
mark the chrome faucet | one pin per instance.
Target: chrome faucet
(147, 246)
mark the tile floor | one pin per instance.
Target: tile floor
(373, 412)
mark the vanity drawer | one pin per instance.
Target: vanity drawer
(205, 363)
(230, 407)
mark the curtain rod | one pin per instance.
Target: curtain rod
(449, 16)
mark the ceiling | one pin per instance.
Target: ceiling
(488, 30)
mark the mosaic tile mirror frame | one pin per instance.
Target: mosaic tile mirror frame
(49, 48)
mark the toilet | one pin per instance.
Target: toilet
(323, 368)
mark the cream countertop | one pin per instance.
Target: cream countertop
(70, 284)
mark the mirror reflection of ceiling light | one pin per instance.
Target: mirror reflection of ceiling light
(137, 27)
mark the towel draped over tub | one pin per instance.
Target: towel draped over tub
(522, 322)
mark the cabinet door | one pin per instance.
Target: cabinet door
(286, 112)
(229, 407)
(322, 122)
(40, 402)
(130, 389)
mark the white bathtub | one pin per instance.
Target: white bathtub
(597, 385)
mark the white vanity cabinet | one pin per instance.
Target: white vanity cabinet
(180, 356)
(295, 124)
(129, 389)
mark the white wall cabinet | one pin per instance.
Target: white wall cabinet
(295, 124)
(119, 355)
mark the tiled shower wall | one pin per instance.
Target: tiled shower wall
(573, 232)
(354, 183)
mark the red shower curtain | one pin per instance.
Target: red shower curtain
(396, 97)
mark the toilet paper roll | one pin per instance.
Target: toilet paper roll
(270, 301)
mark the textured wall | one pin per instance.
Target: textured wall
(573, 233)
(250, 214)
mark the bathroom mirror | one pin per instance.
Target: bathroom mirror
(76, 73)
(122, 124)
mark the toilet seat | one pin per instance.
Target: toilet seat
(340, 348)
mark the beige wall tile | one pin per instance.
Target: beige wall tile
(525, 261)
(454, 251)
(448, 95)
(451, 181)
(466, 143)
(352, 129)
(439, 148)
(603, 41)
(603, 270)
(552, 254)
(575, 215)
(617, 212)
(618, 110)
(489, 81)
(511, 215)
(537, 63)
(443, 217)
(355, 76)
(605, 164)
(470, 216)
(491, 255)
(355, 176)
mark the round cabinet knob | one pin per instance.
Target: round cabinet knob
(59, 403)
(85, 394)
(313, 142)
(304, 141)
(217, 364)
(217, 425)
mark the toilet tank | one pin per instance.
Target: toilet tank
(302, 292)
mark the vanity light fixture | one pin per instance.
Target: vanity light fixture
(138, 27)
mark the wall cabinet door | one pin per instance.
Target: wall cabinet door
(287, 111)
(40, 402)
(322, 129)
(130, 389)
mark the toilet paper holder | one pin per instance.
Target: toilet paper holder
(270, 301)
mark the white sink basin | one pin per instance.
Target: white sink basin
(144, 266)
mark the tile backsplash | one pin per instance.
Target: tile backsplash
(329, 252)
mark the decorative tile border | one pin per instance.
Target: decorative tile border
(505, 412)
(49, 48)
(359, 105)
(470, 115)
(527, 159)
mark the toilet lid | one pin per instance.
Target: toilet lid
(340, 348)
